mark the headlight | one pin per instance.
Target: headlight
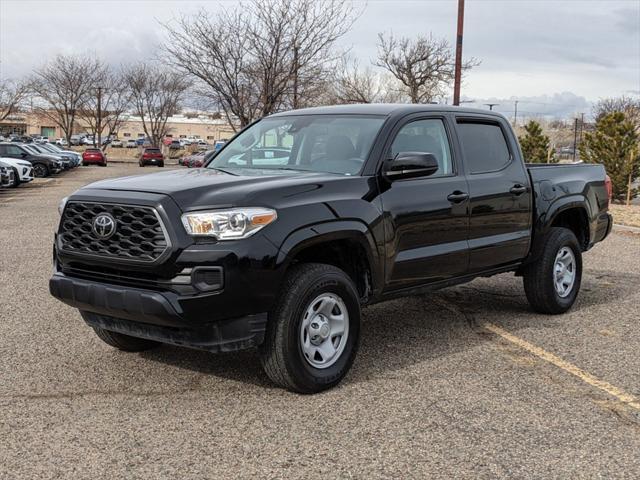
(228, 224)
(62, 204)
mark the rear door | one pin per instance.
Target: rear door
(500, 192)
(426, 219)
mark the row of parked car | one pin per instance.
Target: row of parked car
(22, 162)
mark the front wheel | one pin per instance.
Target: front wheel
(40, 170)
(552, 282)
(313, 332)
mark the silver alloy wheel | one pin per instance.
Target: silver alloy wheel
(564, 271)
(324, 330)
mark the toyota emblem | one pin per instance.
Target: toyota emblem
(104, 226)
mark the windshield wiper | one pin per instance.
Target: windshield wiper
(222, 170)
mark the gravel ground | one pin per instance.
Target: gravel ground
(626, 214)
(432, 393)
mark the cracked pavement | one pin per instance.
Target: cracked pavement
(432, 392)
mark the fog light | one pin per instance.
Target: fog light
(208, 279)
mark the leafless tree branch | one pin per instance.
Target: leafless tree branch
(424, 65)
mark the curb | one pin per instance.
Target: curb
(626, 228)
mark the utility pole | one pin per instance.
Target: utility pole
(98, 120)
(581, 125)
(295, 77)
(458, 69)
(515, 114)
(491, 105)
(575, 138)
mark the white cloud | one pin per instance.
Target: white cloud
(527, 47)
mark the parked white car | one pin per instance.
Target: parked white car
(61, 141)
(22, 170)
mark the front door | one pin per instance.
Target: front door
(426, 219)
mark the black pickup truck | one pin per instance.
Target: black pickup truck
(305, 217)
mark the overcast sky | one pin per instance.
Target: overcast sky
(552, 55)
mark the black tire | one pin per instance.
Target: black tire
(40, 170)
(538, 276)
(161, 164)
(281, 353)
(16, 178)
(124, 342)
(141, 164)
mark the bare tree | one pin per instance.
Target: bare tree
(61, 87)
(156, 94)
(107, 103)
(216, 54)
(261, 57)
(353, 84)
(424, 65)
(12, 94)
(630, 106)
(292, 42)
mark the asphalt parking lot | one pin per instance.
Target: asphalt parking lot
(465, 382)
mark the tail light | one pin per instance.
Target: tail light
(609, 187)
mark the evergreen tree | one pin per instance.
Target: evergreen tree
(535, 145)
(614, 144)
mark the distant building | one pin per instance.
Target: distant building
(206, 126)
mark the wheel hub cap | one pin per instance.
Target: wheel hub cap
(564, 271)
(324, 330)
(319, 329)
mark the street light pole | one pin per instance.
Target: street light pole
(458, 67)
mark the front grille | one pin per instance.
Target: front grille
(139, 234)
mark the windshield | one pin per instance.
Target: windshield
(316, 143)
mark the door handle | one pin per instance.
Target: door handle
(518, 189)
(457, 196)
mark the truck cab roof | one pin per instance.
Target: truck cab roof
(386, 109)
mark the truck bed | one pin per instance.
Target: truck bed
(558, 186)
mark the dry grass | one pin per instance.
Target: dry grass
(626, 215)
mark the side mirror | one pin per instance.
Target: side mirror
(411, 165)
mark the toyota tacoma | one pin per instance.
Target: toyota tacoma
(307, 216)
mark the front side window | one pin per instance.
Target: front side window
(484, 146)
(425, 136)
(317, 143)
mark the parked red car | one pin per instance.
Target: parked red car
(151, 156)
(94, 156)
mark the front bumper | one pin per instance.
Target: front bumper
(192, 285)
(155, 316)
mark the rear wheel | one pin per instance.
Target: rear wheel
(552, 282)
(40, 170)
(313, 333)
(124, 342)
(161, 164)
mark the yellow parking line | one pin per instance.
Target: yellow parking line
(586, 377)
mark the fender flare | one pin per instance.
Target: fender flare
(552, 212)
(329, 231)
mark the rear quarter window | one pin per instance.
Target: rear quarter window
(484, 146)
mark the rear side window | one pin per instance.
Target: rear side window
(484, 146)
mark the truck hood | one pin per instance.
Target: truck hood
(199, 188)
